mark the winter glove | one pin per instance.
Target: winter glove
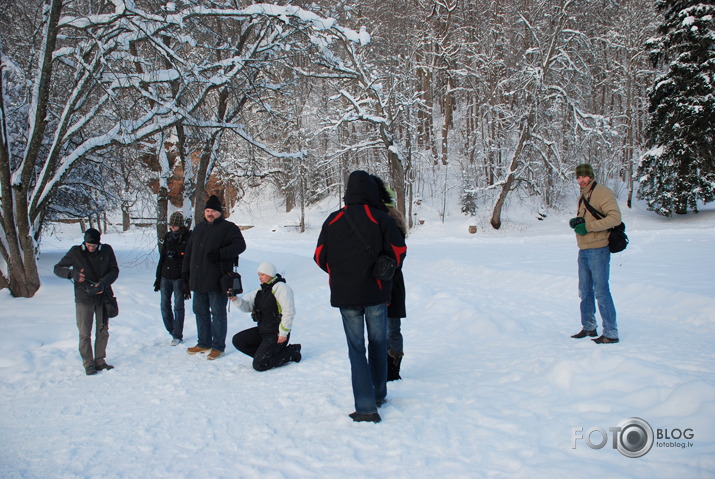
(157, 284)
(581, 229)
(214, 256)
(186, 290)
(75, 275)
(574, 222)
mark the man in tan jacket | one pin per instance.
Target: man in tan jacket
(594, 256)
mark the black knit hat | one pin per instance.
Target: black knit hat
(213, 203)
(92, 236)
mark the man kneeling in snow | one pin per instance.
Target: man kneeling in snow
(273, 308)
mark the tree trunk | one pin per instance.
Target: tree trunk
(509, 181)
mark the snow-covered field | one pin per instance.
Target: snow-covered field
(493, 384)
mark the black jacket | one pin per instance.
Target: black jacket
(222, 236)
(99, 267)
(343, 255)
(171, 254)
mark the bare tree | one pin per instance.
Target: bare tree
(88, 96)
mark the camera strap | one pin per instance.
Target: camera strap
(596, 214)
(369, 248)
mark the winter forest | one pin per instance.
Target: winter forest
(136, 108)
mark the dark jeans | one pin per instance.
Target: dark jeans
(266, 351)
(210, 311)
(173, 319)
(369, 374)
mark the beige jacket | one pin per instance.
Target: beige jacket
(603, 200)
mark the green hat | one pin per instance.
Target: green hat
(584, 170)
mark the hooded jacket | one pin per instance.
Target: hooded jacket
(345, 258)
(603, 200)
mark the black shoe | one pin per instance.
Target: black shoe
(605, 340)
(295, 355)
(583, 333)
(372, 417)
(90, 371)
(103, 365)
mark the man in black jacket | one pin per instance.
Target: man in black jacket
(92, 267)
(347, 249)
(210, 254)
(169, 279)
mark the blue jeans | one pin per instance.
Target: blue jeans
(394, 336)
(369, 374)
(593, 272)
(173, 319)
(210, 311)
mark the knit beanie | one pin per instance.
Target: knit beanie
(584, 170)
(91, 236)
(177, 219)
(267, 269)
(213, 203)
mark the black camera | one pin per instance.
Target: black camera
(171, 254)
(574, 222)
(93, 288)
(231, 283)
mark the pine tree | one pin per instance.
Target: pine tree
(680, 169)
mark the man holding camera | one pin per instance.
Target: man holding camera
(169, 279)
(210, 254)
(92, 267)
(594, 255)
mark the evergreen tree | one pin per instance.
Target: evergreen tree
(680, 169)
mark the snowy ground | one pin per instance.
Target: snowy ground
(493, 384)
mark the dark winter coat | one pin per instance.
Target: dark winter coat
(171, 254)
(343, 255)
(221, 236)
(99, 267)
(265, 308)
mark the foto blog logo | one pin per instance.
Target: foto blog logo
(633, 437)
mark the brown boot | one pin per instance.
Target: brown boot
(197, 349)
(214, 354)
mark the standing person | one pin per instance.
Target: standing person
(396, 309)
(92, 267)
(273, 308)
(350, 240)
(210, 253)
(594, 256)
(169, 279)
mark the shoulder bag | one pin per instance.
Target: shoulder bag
(617, 239)
(385, 266)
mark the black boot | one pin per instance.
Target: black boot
(393, 367)
(295, 355)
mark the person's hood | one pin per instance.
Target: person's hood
(361, 189)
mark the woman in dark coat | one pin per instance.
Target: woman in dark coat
(396, 309)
